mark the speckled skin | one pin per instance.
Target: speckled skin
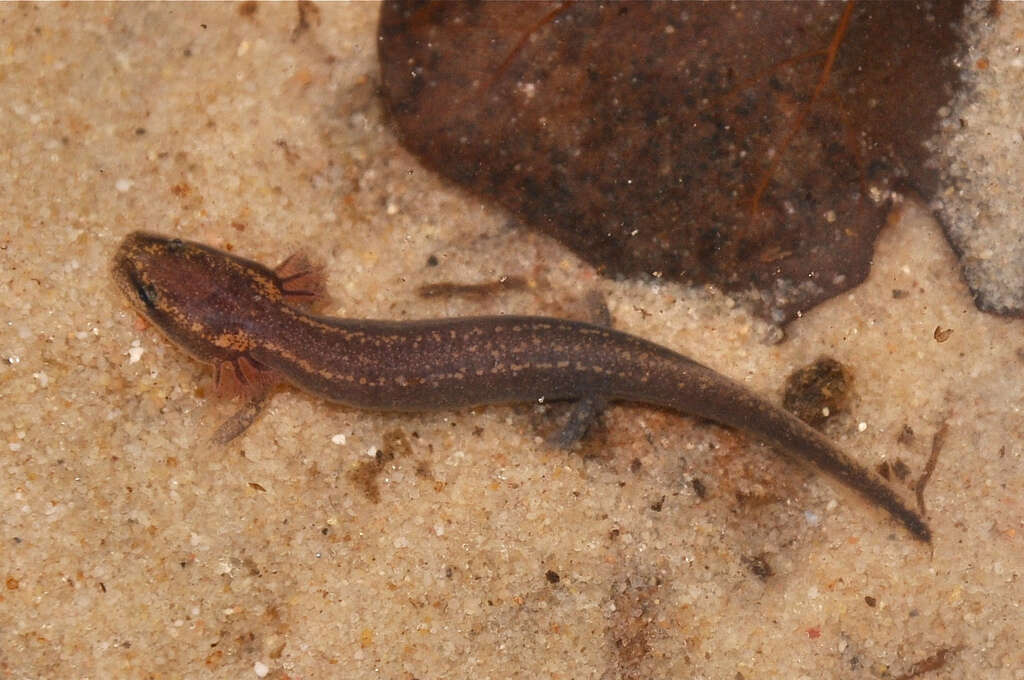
(250, 322)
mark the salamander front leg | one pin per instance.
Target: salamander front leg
(250, 379)
(301, 281)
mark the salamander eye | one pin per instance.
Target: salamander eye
(175, 245)
(147, 294)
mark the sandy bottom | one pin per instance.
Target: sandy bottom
(336, 543)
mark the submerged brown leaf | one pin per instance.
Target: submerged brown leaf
(750, 145)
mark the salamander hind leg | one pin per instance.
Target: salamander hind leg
(302, 282)
(588, 409)
(597, 309)
(583, 414)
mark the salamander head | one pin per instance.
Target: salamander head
(205, 300)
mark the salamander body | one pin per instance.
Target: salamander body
(252, 323)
